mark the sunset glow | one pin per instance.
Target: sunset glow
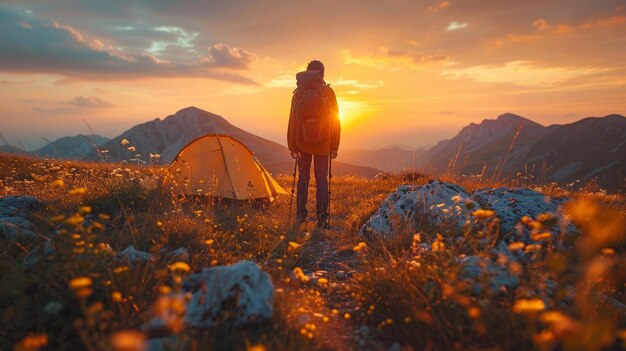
(425, 70)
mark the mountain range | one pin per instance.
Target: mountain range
(593, 148)
(509, 146)
(70, 147)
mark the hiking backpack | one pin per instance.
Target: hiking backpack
(313, 111)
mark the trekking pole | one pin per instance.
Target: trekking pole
(293, 189)
(330, 177)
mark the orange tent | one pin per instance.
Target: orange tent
(221, 166)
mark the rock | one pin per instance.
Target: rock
(181, 254)
(496, 275)
(241, 294)
(436, 203)
(168, 343)
(14, 213)
(511, 205)
(132, 255)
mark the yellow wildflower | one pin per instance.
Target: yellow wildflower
(80, 282)
(182, 266)
(528, 306)
(483, 214)
(78, 191)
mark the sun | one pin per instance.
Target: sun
(341, 116)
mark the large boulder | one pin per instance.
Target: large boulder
(240, 294)
(409, 207)
(511, 205)
(15, 213)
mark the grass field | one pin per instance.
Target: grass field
(333, 289)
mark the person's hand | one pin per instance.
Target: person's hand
(294, 154)
(333, 155)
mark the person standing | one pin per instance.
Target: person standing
(313, 137)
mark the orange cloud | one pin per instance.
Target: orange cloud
(385, 58)
(436, 8)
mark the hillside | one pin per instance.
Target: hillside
(391, 159)
(92, 257)
(510, 146)
(168, 136)
(72, 147)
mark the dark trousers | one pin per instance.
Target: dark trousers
(320, 169)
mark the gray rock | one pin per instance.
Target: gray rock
(511, 205)
(497, 276)
(180, 254)
(132, 255)
(435, 203)
(14, 216)
(169, 343)
(241, 294)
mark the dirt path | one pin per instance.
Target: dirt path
(330, 256)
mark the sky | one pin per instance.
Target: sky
(405, 72)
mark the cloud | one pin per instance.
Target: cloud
(522, 73)
(438, 7)
(454, 25)
(385, 58)
(54, 110)
(33, 45)
(89, 102)
(224, 56)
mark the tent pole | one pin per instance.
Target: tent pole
(232, 186)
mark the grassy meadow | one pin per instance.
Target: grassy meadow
(333, 289)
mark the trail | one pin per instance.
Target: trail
(330, 255)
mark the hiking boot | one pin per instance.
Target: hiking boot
(323, 224)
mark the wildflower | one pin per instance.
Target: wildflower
(75, 220)
(456, 199)
(608, 251)
(128, 340)
(182, 266)
(84, 210)
(32, 342)
(164, 289)
(125, 142)
(473, 312)
(528, 306)
(516, 246)
(80, 282)
(131, 149)
(257, 347)
(294, 245)
(322, 281)
(541, 236)
(438, 245)
(120, 269)
(346, 315)
(534, 247)
(483, 214)
(78, 191)
(116, 296)
(59, 183)
(209, 242)
(544, 337)
(360, 247)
